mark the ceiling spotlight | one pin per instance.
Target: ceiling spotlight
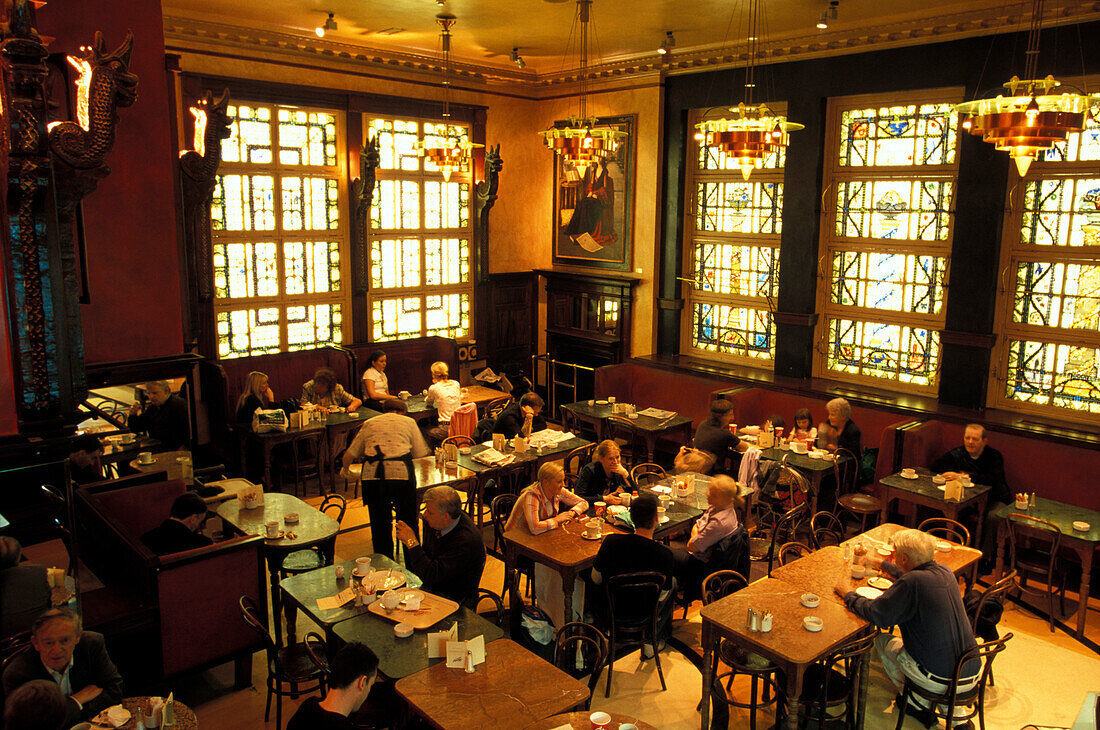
(823, 21)
(517, 59)
(668, 44)
(330, 24)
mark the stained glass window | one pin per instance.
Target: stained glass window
(279, 232)
(889, 178)
(421, 227)
(731, 263)
(1048, 356)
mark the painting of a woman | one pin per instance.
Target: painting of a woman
(595, 212)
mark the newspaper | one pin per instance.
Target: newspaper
(492, 457)
(548, 437)
(656, 413)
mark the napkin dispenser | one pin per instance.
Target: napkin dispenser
(953, 490)
(298, 419)
(499, 441)
(765, 440)
(520, 445)
(251, 497)
(450, 453)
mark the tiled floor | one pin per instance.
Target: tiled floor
(1041, 678)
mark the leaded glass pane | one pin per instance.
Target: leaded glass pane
(733, 330)
(739, 207)
(1060, 375)
(311, 267)
(307, 138)
(610, 316)
(243, 203)
(310, 203)
(397, 205)
(312, 325)
(896, 352)
(247, 332)
(913, 134)
(713, 158)
(395, 263)
(249, 135)
(397, 140)
(447, 315)
(446, 261)
(1061, 212)
(244, 270)
(1080, 147)
(446, 204)
(891, 281)
(1058, 295)
(395, 319)
(894, 209)
(730, 268)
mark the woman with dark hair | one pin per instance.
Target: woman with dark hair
(376, 386)
(325, 392)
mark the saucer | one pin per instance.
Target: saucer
(868, 592)
(880, 582)
(1081, 526)
(665, 519)
(278, 536)
(906, 476)
(601, 403)
(587, 536)
(357, 574)
(147, 463)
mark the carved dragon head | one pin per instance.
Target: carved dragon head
(212, 122)
(116, 64)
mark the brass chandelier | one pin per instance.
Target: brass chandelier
(450, 152)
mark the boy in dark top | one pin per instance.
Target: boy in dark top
(452, 558)
(165, 418)
(181, 530)
(351, 673)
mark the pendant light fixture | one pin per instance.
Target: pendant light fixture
(582, 140)
(753, 131)
(1033, 117)
(449, 152)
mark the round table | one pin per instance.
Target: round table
(184, 716)
(580, 721)
(167, 461)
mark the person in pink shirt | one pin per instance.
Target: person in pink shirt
(538, 507)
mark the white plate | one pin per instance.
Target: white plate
(868, 592)
(942, 487)
(661, 490)
(664, 519)
(1082, 526)
(879, 582)
(915, 476)
(102, 718)
(601, 403)
(380, 583)
(413, 593)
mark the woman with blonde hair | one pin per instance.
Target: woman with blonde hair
(538, 505)
(257, 394)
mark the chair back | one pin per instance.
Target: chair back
(792, 551)
(581, 649)
(497, 616)
(786, 526)
(463, 420)
(722, 583)
(1040, 538)
(632, 600)
(622, 431)
(571, 481)
(495, 406)
(578, 457)
(317, 650)
(334, 503)
(846, 471)
(648, 473)
(257, 621)
(995, 592)
(499, 511)
(946, 528)
(826, 529)
(843, 667)
(459, 441)
(953, 696)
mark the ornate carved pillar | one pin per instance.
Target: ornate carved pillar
(198, 170)
(362, 196)
(485, 197)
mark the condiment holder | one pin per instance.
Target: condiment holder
(811, 600)
(812, 623)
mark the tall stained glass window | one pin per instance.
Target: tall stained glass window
(731, 256)
(1048, 350)
(421, 229)
(890, 173)
(279, 237)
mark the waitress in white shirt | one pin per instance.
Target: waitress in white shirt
(376, 386)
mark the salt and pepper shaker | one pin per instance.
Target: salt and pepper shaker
(1032, 502)
(754, 620)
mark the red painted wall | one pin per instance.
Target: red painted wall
(130, 220)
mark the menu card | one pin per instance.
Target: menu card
(330, 602)
(466, 654)
(437, 642)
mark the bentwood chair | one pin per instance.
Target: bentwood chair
(792, 551)
(459, 441)
(303, 561)
(577, 458)
(648, 474)
(834, 682)
(495, 406)
(287, 665)
(581, 649)
(784, 531)
(947, 529)
(499, 511)
(633, 606)
(1033, 549)
(987, 612)
(825, 529)
(622, 431)
(961, 692)
(848, 498)
(498, 611)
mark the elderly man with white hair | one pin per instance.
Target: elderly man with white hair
(452, 557)
(924, 603)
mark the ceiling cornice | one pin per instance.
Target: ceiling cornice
(187, 32)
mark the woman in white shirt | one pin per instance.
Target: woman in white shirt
(376, 386)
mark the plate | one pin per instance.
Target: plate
(665, 519)
(413, 593)
(661, 490)
(868, 592)
(601, 403)
(880, 582)
(915, 476)
(381, 583)
(942, 487)
(102, 718)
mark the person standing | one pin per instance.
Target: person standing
(352, 672)
(385, 446)
(165, 418)
(451, 559)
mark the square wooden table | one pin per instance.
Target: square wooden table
(512, 688)
(677, 428)
(337, 426)
(923, 491)
(1083, 543)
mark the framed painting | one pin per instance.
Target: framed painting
(594, 208)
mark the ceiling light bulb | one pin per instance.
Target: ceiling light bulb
(823, 22)
(1032, 110)
(319, 31)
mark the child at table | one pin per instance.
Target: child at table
(803, 425)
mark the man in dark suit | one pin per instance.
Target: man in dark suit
(521, 418)
(165, 418)
(85, 465)
(75, 660)
(452, 557)
(181, 530)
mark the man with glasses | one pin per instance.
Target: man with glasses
(452, 557)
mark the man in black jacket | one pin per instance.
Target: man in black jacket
(181, 530)
(352, 673)
(75, 660)
(520, 417)
(986, 467)
(452, 557)
(165, 418)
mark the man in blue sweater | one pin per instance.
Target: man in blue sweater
(924, 602)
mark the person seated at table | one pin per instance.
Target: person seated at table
(713, 434)
(376, 386)
(452, 557)
(385, 446)
(521, 417)
(717, 523)
(605, 477)
(446, 395)
(257, 394)
(986, 467)
(637, 553)
(75, 660)
(840, 432)
(165, 418)
(538, 506)
(37, 705)
(803, 425)
(925, 604)
(182, 530)
(85, 453)
(24, 589)
(324, 391)
(352, 672)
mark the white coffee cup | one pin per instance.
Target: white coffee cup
(362, 566)
(594, 527)
(610, 399)
(272, 528)
(908, 473)
(599, 719)
(146, 457)
(661, 514)
(964, 479)
(591, 402)
(858, 572)
(127, 438)
(664, 501)
(625, 498)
